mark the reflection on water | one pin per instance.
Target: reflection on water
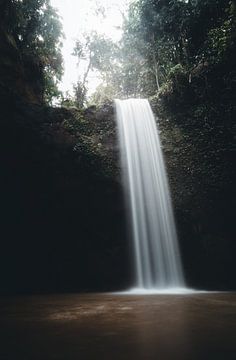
(103, 326)
(161, 291)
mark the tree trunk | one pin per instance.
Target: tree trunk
(155, 64)
(156, 71)
(87, 71)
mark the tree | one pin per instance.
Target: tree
(165, 36)
(94, 52)
(37, 32)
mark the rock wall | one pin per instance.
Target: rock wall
(201, 174)
(62, 223)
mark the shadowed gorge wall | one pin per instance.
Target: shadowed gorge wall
(63, 225)
(62, 211)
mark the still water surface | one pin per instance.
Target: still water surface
(103, 326)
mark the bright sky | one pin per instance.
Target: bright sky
(78, 16)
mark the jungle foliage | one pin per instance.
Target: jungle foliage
(167, 40)
(34, 27)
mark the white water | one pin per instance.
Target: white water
(157, 263)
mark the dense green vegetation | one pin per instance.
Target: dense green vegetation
(33, 30)
(164, 40)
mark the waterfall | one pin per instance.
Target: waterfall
(157, 263)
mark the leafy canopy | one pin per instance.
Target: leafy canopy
(37, 31)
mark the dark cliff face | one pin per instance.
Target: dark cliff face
(63, 225)
(199, 161)
(62, 212)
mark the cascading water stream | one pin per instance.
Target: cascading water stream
(156, 253)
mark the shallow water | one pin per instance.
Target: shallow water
(112, 326)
